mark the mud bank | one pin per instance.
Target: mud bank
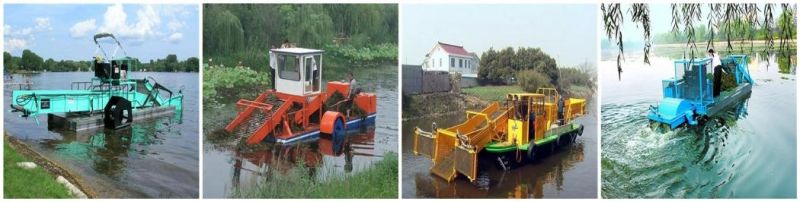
(439, 104)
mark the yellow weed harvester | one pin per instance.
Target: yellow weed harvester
(529, 122)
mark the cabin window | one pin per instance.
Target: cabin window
(288, 67)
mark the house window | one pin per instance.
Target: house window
(440, 62)
(460, 63)
(452, 62)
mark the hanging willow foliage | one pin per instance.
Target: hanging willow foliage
(732, 21)
(612, 19)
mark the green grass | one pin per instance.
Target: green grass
(34, 183)
(492, 93)
(377, 181)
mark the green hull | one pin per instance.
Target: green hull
(550, 137)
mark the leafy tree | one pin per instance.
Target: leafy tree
(192, 64)
(225, 28)
(31, 61)
(306, 24)
(531, 80)
(501, 67)
(363, 33)
(7, 63)
(49, 64)
(171, 63)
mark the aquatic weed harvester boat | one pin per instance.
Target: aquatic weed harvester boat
(297, 108)
(110, 91)
(528, 124)
(688, 97)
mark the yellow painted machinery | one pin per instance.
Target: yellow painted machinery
(528, 122)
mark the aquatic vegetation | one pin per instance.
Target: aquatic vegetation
(378, 181)
(220, 81)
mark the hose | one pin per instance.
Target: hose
(24, 99)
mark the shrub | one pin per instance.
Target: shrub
(530, 80)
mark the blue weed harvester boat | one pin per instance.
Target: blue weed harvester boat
(688, 97)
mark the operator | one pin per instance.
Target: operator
(718, 70)
(353, 91)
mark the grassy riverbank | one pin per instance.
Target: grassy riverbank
(377, 181)
(33, 183)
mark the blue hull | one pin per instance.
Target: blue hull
(351, 125)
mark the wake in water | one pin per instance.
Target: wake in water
(689, 162)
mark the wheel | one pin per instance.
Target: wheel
(558, 142)
(338, 135)
(118, 113)
(531, 151)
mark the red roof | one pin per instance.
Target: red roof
(455, 50)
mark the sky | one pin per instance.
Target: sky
(64, 32)
(567, 32)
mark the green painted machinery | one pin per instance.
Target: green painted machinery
(110, 92)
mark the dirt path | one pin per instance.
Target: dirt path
(48, 165)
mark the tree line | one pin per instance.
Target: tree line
(741, 30)
(244, 33)
(31, 62)
(531, 69)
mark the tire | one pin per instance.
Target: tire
(338, 135)
(118, 113)
(531, 151)
(558, 141)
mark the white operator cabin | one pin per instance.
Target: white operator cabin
(450, 58)
(298, 70)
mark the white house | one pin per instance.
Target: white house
(451, 58)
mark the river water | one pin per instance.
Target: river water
(228, 168)
(747, 152)
(569, 173)
(156, 158)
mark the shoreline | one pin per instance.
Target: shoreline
(49, 165)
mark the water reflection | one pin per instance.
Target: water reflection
(107, 149)
(524, 182)
(268, 160)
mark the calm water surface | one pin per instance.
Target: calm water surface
(156, 158)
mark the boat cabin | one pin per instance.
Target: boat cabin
(297, 71)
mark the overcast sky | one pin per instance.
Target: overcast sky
(567, 32)
(64, 32)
